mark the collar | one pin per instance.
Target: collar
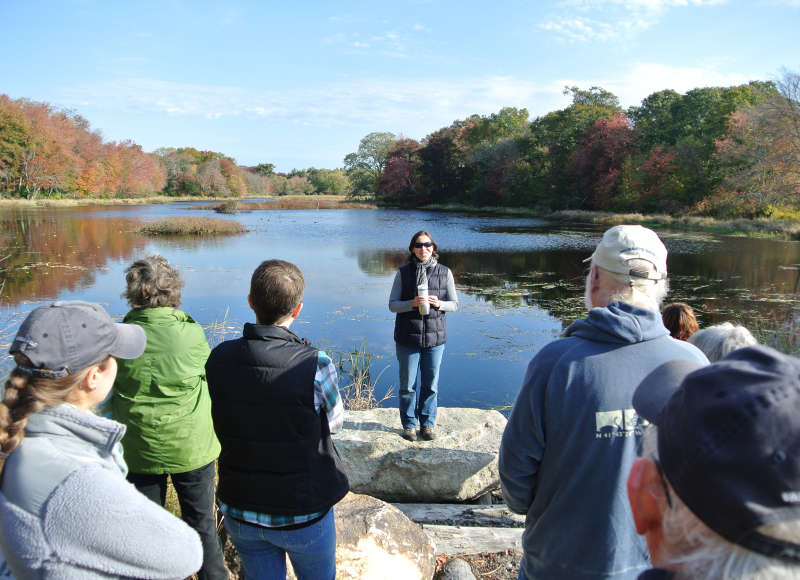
(270, 331)
(68, 420)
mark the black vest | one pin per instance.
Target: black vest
(411, 328)
(277, 454)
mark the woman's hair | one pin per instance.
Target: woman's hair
(25, 395)
(414, 241)
(696, 551)
(152, 282)
(718, 340)
(680, 320)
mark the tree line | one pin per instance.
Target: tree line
(45, 151)
(724, 151)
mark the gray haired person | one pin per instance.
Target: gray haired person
(573, 434)
(716, 492)
(719, 340)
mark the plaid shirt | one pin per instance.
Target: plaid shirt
(326, 398)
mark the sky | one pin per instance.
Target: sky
(299, 84)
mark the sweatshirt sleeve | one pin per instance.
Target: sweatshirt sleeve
(450, 302)
(395, 304)
(97, 520)
(523, 442)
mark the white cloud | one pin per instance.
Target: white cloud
(412, 107)
(643, 79)
(605, 20)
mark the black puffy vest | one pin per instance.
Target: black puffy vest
(411, 328)
(277, 454)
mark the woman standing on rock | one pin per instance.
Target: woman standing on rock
(422, 292)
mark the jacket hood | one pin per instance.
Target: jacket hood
(619, 323)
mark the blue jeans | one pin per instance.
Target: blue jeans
(312, 549)
(195, 491)
(427, 360)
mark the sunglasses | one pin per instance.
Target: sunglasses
(419, 245)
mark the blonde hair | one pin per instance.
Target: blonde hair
(696, 551)
(25, 395)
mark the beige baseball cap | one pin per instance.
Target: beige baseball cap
(621, 244)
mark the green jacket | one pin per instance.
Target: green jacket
(162, 396)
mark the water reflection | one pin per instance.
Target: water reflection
(48, 253)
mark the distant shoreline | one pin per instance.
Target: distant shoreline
(759, 227)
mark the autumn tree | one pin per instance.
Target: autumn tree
(596, 163)
(400, 181)
(760, 156)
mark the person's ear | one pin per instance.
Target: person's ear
(90, 380)
(642, 480)
(250, 303)
(296, 312)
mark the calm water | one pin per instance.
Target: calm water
(520, 280)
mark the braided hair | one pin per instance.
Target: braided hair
(25, 395)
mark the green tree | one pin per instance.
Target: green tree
(13, 136)
(371, 156)
(265, 168)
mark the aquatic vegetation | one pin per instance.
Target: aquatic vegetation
(355, 366)
(192, 226)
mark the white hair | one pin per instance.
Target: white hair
(718, 340)
(637, 291)
(693, 550)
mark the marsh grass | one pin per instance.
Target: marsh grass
(192, 226)
(288, 202)
(228, 207)
(750, 227)
(780, 335)
(81, 201)
(758, 227)
(355, 368)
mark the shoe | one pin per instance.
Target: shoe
(428, 434)
(410, 434)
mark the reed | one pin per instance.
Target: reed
(192, 226)
(355, 368)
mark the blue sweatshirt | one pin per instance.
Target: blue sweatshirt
(571, 439)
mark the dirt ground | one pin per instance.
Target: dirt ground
(494, 566)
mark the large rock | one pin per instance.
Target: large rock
(459, 465)
(376, 540)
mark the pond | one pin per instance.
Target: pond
(520, 280)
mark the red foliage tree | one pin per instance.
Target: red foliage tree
(596, 165)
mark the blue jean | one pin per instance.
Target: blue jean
(427, 361)
(262, 551)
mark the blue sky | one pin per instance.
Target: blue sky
(299, 84)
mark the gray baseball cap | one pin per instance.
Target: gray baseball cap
(68, 336)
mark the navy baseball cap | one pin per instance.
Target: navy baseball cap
(729, 442)
(68, 336)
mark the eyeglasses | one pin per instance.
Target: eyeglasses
(663, 481)
(419, 245)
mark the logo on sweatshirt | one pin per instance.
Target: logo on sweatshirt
(618, 423)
